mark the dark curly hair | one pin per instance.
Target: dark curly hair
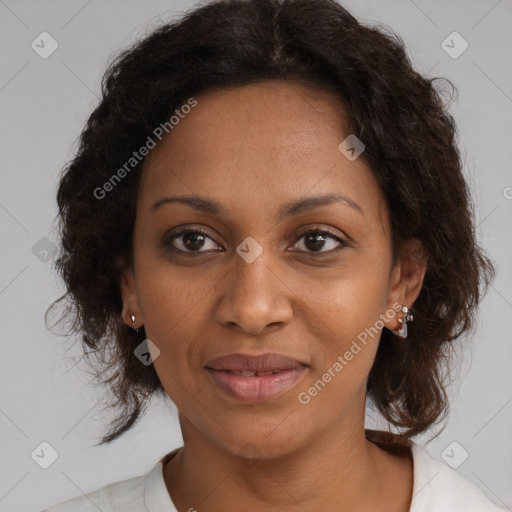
(398, 114)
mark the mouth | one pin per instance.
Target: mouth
(248, 373)
(248, 378)
(261, 364)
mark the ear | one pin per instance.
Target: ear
(406, 278)
(130, 298)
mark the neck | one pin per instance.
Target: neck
(339, 467)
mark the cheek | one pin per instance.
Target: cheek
(347, 324)
(179, 340)
(171, 307)
(340, 373)
(349, 302)
(168, 296)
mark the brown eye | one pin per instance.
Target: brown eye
(317, 239)
(190, 240)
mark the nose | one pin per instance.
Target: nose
(254, 296)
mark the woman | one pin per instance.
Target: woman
(268, 220)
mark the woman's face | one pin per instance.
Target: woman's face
(253, 283)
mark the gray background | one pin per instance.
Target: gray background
(46, 395)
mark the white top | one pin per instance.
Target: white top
(437, 488)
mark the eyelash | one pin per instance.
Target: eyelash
(170, 238)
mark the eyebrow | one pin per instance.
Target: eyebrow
(211, 207)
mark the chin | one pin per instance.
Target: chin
(269, 440)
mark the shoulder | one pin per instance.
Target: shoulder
(137, 494)
(439, 488)
(436, 486)
(125, 495)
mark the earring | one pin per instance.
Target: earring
(408, 317)
(132, 318)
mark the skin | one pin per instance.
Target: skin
(253, 148)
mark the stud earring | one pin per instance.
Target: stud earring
(132, 318)
(408, 317)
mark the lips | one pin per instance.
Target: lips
(250, 373)
(263, 364)
(263, 378)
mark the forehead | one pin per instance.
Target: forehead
(258, 146)
(275, 116)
